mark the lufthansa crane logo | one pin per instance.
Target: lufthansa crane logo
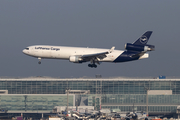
(143, 39)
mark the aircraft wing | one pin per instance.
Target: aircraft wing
(101, 56)
(88, 57)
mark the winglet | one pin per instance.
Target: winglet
(112, 49)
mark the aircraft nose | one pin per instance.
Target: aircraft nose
(24, 51)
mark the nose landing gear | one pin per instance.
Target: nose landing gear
(39, 60)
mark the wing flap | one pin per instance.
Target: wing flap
(89, 57)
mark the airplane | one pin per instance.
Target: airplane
(133, 51)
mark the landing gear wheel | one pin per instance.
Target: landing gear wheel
(95, 66)
(92, 65)
(39, 60)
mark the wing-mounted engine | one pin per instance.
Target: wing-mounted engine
(140, 48)
(75, 59)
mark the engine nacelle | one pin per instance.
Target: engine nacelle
(133, 47)
(75, 59)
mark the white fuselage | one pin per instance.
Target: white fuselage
(133, 51)
(61, 52)
(79, 54)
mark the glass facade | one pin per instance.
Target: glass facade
(34, 103)
(96, 86)
(141, 99)
(43, 94)
(156, 103)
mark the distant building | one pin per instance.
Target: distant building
(36, 95)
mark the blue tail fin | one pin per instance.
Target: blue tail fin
(143, 39)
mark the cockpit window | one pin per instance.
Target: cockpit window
(27, 48)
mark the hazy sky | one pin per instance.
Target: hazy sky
(89, 23)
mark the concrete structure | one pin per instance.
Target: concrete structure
(43, 94)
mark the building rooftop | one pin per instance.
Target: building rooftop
(84, 79)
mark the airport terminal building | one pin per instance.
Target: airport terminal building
(41, 95)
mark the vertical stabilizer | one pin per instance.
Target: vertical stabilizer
(143, 39)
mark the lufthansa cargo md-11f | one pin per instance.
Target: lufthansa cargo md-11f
(133, 51)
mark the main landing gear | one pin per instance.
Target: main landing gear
(92, 65)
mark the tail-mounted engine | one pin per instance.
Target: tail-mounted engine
(143, 48)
